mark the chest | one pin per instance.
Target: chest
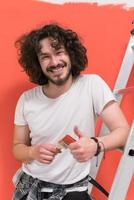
(50, 119)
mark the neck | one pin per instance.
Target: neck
(53, 91)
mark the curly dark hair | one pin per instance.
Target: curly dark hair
(28, 47)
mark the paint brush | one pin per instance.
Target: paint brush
(65, 141)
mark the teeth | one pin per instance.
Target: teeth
(57, 69)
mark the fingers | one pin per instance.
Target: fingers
(80, 155)
(82, 150)
(46, 159)
(48, 149)
(48, 153)
(78, 132)
(77, 151)
(52, 149)
(76, 145)
(45, 153)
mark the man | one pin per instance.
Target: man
(64, 103)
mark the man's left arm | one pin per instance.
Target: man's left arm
(115, 120)
(85, 147)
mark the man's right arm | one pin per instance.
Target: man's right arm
(23, 150)
(21, 143)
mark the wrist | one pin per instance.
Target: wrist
(30, 153)
(98, 148)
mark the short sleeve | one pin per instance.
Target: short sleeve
(101, 94)
(19, 118)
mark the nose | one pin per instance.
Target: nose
(54, 60)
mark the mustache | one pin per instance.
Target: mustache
(59, 65)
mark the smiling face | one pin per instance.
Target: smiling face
(55, 61)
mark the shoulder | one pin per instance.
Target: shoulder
(31, 93)
(90, 78)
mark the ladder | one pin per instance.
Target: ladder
(125, 170)
(123, 174)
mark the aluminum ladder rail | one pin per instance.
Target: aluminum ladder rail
(125, 170)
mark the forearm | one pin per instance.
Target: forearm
(115, 139)
(22, 152)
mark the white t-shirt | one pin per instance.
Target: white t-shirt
(51, 119)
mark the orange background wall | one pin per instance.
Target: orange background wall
(105, 32)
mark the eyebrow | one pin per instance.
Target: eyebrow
(46, 53)
(42, 53)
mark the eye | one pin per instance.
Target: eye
(60, 52)
(45, 57)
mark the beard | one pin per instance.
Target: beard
(59, 81)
